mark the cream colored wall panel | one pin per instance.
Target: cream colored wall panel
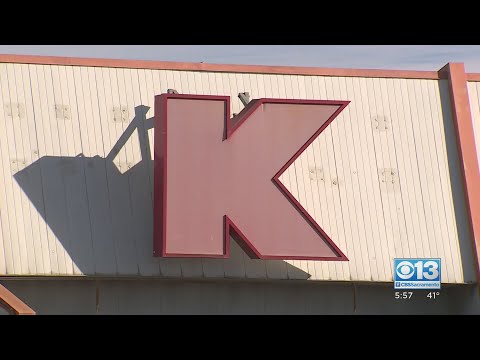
(351, 213)
(401, 131)
(423, 179)
(141, 183)
(59, 203)
(109, 247)
(331, 191)
(98, 218)
(390, 189)
(382, 164)
(118, 181)
(427, 177)
(6, 205)
(438, 201)
(474, 92)
(168, 267)
(357, 173)
(12, 163)
(38, 235)
(474, 95)
(24, 153)
(324, 270)
(79, 226)
(137, 177)
(100, 145)
(94, 175)
(371, 179)
(447, 218)
(45, 148)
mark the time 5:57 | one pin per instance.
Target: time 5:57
(403, 295)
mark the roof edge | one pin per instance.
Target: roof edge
(189, 66)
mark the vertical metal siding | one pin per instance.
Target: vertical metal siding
(474, 99)
(474, 96)
(379, 193)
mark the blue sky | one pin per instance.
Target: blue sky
(408, 57)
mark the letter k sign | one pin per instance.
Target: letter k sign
(217, 177)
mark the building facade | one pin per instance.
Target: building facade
(394, 176)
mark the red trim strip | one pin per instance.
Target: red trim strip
(463, 123)
(13, 304)
(473, 77)
(187, 66)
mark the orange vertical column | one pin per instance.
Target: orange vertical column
(462, 118)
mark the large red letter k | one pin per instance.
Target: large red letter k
(216, 177)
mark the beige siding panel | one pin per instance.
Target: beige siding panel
(88, 207)
(451, 248)
(474, 92)
(402, 136)
(136, 174)
(422, 180)
(24, 152)
(68, 169)
(351, 209)
(412, 187)
(141, 184)
(168, 267)
(104, 243)
(474, 95)
(475, 109)
(93, 174)
(75, 182)
(118, 179)
(47, 147)
(54, 185)
(336, 148)
(394, 198)
(7, 207)
(371, 179)
(39, 235)
(56, 196)
(144, 83)
(110, 136)
(439, 210)
(13, 141)
(360, 192)
(322, 203)
(332, 195)
(380, 148)
(429, 179)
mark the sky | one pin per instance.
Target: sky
(408, 57)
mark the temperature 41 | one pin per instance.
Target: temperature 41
(433, 294)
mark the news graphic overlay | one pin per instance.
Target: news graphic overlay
(417, 273)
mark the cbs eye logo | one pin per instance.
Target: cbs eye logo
(405, 270)
(415, 269)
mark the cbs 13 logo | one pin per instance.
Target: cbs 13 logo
(417, 269)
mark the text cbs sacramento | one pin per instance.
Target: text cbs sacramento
(417, 273)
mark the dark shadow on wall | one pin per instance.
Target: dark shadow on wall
(102, 213)
(456, 180)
